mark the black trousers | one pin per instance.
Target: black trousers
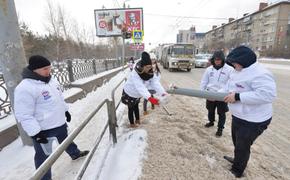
(221, 107)
(133, 110)
(244, 134)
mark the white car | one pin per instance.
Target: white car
(202, 60)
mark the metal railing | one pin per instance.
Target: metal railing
(65, 72)
(112, 122)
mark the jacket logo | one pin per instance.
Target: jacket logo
(240, 86)
(45, 95)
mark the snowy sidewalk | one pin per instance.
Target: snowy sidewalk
(16, 160)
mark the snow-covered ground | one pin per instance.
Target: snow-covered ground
(163, 147)
(125, 159)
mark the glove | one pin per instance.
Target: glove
(164, 94)
(40, 137)
(68, 116)
(153, 100)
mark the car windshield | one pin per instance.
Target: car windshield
(182, 50)
(201, 57)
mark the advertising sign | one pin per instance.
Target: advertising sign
(112, 22)
(137, 47)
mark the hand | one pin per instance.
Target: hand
(40, 137)
(230, 98)
(153, 100)
(68, 116)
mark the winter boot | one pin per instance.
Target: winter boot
(219, 132)
(138, 122)
(230, 159)
(82, 154)
(236, 173)
(152, 106)
(209, 124)
(133, 126)
(145, 113)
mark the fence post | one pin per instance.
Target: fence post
(70, 70)
(112, 117)
(94, 66)
(106, 64)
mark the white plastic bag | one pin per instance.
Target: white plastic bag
(48, 147)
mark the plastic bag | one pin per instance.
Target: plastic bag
(48, 147)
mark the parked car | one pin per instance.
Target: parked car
(202, 60)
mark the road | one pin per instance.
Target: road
(181, 148)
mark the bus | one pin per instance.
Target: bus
(177, 56)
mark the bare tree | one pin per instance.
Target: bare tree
(64, 20)
(53, 26)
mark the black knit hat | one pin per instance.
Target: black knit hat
(243, 56)
(145, 59)
(37, 61)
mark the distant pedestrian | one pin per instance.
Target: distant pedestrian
(135, 88)
(131, 63)
(40, 108)
(214, 79)
(252, 91)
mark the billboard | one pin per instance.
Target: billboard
(111, 22)
(137, 47)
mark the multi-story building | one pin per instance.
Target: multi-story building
(266, 31)
(191, 37)
(185, 36)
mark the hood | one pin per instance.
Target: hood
(27, 73)
(217, 55)
(243, 56)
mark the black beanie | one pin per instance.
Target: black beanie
(243, 56)
(37, 61)
(145, 59)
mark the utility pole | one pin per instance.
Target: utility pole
(12, 58)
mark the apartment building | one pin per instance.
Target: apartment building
(185, 36)
(192, 37)
(267, 31)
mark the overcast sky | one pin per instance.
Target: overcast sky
(162, 19)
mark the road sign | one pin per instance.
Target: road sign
(137, 35)
(137, 47)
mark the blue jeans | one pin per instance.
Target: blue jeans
(60, 133)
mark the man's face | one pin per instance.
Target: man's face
(237, 66)
(217, 62)
(45, 71)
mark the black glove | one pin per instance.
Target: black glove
(40, 137)
(68, 116)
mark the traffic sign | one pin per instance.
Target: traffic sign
(137, 47)
(137, 35)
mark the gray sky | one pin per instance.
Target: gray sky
(162, 19)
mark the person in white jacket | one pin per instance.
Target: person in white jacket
(135, 88)
(214, 79)
(151, 86)
(40, 108)
(252, 90)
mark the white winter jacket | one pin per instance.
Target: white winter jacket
(257, 89)
(149, 83)
(136, 87)
(214, 80)
(39, 106)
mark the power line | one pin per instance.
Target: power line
(185, 17)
